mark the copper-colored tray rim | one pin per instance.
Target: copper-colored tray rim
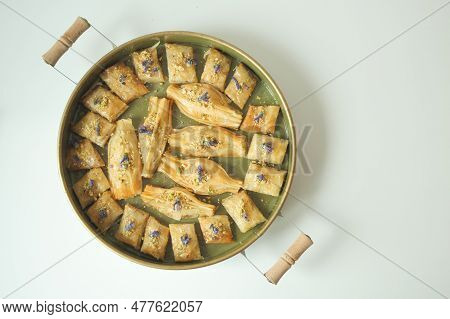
(289, 177)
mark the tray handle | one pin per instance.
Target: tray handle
(288, 259)
(65, 41)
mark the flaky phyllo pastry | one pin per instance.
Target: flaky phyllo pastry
(91, 186)
(155, 238)
(82, 155)
(153, 133)
(104, 212)
(184, 242)
(181, 63)
(132, 226)
(260, 119)
(208, 141)
(147, 67)
(267, 149)
(122, 81)
(241, 85)
(243, 211)
(216, 69)
(102, 101)
(216, 229)
(205, 104)
(263, 179)
(176, 203)
(201, 175)
(124, 161)
(95, 128)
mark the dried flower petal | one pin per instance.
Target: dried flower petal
(258, 117)
(129, 226)
(191, 61)
(217, 67)
(154, 234)
(260, 177)
(146, 64)
(144, 130)
(122, 78)
(102, 213)
(177, 205)
(185, 239)
(125, 161)
(214, 229)
(268, 147)
(236, 82)
(204, 97)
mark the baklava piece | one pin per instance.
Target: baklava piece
(102, 101)
(104, 212)
(217, 66)
(95, 128)
(176, 203)
(124, 161)
(147, 67)
(243, 211)
(205, 104)
(90, 186)
(122, 81)
(201, 175)
(267, 149)
(154, 132)
(132, 226)
(82, 155)
(181, 63)
(241, 85)
(208, 141)
(260, 119)
(216, 229)
(184, 242)
(156, 237)
(263, 179)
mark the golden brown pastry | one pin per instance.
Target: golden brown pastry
(90, 186)
(243, 211)
(132, 226)
(208, 141)
(104, 212)
(260, 119)
(102, 101)
(82, 155)
(201, 175)
(95, 128)
(267, 149)
(216, 69)
(156, 237)
(216, 229)
(205, 104)
(122, 81)
(241, 85)
(153, 133)
(181, 63)
(263, 179)
(147, 67)
(184, 242)
(124, 161)
(176, 202)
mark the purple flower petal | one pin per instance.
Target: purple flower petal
(185, 239)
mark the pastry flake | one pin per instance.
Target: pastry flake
(181, 63)
(176, 203)
(95, 128)
(82, 155)
(205, 104)
(124, 161)
(208, 141)
(147, 66)
(216, 69)
(122, 81)
(241, 85)
(200, 175)
(216, 229)
(267, 149)
(184, 242)
(132, 226)
(155, 240)
(104, 212)
(102, 101)
(243, 211)
(90, 186)
(153, 134)
(260, 119)
(263, 179)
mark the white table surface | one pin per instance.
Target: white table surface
(373, 78)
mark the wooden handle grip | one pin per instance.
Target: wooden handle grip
(300, 245)
(65, 41)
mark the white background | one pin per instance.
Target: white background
(377, 205)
